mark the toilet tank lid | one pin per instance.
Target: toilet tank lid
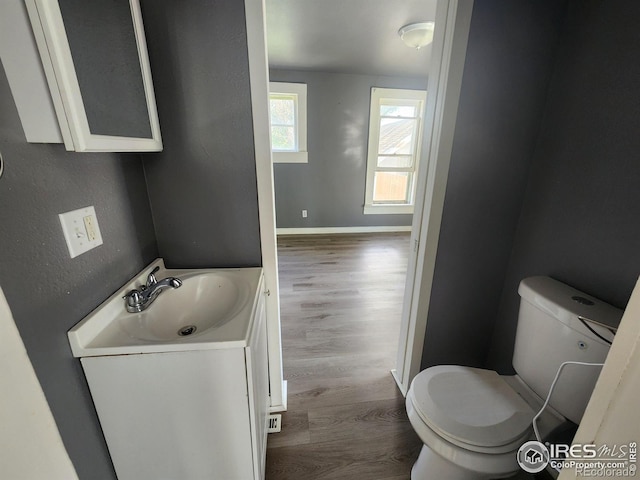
(567, 303)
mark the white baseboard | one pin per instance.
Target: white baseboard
(330, 230)
(283, 406)
(398, 380)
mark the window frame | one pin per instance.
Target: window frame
(299, 91)
(386, 96)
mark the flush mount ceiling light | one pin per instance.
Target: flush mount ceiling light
(417, 35)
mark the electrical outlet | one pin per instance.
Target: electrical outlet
(90, 227)
(81, 230)
(304, 214)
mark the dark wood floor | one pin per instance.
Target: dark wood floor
(341, 301)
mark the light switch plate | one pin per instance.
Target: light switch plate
(81, 230)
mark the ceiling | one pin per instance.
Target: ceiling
(346, 36)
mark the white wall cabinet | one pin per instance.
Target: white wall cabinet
(79, 72)
(189, 415)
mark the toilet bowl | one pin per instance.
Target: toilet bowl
(469, 417)
(472, 421)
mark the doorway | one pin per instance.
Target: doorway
(325, 194)
(444, 82)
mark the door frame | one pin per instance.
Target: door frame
(443, 94)
(448, 54)
(259, 85)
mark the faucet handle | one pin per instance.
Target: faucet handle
(133, 298)
(151, 279)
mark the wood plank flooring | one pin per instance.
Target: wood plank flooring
(341, 301)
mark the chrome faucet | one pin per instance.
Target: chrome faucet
(138, 300)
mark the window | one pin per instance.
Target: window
(395, 134)
(288, 107)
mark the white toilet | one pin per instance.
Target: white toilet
(473, 421)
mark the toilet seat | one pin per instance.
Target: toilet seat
(471, 408)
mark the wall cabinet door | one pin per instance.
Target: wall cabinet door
(94, 55)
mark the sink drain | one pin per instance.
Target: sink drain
(186, 331)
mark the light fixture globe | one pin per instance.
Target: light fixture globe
(417, 35)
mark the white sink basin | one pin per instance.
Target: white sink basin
(212, 309)
(205, 300)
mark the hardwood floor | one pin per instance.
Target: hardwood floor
(341, 301)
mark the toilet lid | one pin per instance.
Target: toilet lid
(470, 405)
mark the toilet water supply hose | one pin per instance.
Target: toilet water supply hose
(553, 384)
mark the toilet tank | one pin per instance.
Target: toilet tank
(550, 332)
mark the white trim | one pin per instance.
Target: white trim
(290, 157)
(259, 85)
(413, 98)
(331, 230)
(398, 378)
(453, 18)
(379, 209)
(50, 35)
(279, 407)
(300, 91)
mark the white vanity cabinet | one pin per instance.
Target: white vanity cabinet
(186, 415)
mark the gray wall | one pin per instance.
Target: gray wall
(508, 64)
(331, 186)
(202, 187)
(580, 218)
(48, 291)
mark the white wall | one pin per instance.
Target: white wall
(30, 444)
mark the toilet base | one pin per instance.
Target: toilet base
(431, 466)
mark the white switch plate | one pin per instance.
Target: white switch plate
(81, 230)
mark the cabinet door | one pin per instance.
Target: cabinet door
(95, 59)
(177, 415)
(258, 384)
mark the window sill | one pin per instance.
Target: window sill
(290, 157)
(388, 209)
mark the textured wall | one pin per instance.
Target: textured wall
(331, 186)
(202, 187)
(48, 291)
(579, 222)
(508, 65)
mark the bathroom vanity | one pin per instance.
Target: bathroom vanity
(176, 406)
